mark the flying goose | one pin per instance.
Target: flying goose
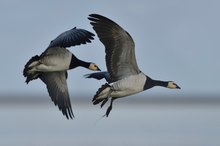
(123, 75)
(52, 65)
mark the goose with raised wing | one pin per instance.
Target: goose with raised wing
(52, 65)
(123, 74)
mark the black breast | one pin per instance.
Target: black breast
(74, 62)
(149, 83)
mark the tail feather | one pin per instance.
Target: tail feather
(31, 77)
(27, 67)
(101, 94)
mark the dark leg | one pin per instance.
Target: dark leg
(109, 108)
(103, 102)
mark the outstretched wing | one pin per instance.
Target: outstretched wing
(58, 91)
(119, 47)
(72, 37)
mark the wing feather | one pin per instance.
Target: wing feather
(72, 37)
(58, 91)
(119, 47)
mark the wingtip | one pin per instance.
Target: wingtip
(94, 15)
(91, 15)
(69, 115)
(86, 76)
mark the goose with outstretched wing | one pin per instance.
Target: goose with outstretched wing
(52, 65)
(123, 74)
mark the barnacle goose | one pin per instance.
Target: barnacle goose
(52, 65)
(123, 72)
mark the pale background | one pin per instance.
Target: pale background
(175, 40)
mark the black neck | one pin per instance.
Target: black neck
(151, 83)
(75, 62)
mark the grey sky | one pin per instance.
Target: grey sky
(175, 40)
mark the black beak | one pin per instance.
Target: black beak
(177, 87)
(98, 69)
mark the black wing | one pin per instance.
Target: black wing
(72, 37)
(99, 76)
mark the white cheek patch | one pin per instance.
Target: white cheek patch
(91, 66)
(171, 85)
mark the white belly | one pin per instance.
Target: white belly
(54, 59)
(128, 86)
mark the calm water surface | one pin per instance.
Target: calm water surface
(128, 125)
